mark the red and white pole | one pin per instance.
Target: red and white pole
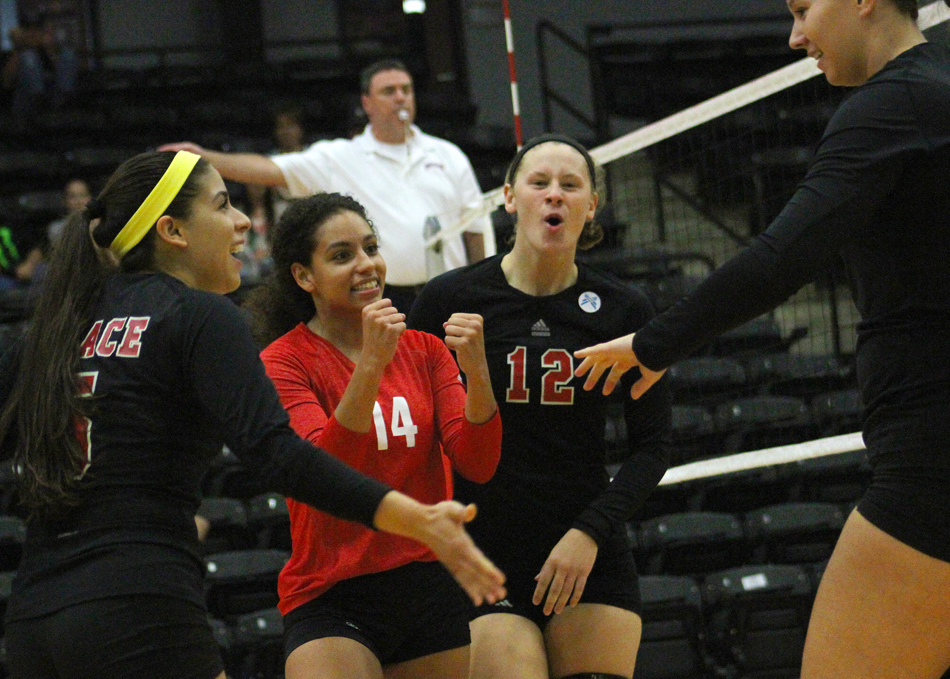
(516, 107)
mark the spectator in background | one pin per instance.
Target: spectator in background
(412, 184)
(267, 204)
(42, 64)
(76, 195)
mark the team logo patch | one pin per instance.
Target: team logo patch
(589, 302)
(540, 329)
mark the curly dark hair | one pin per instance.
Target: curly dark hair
(279, 304)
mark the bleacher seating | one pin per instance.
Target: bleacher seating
(256, 646)
(756, 619)
(740, 492)
(672, 643)
(242, 581)
(269, 519)
(802, 532)
(691, 543)
(706, 378)
(757, 422)
(228, 530)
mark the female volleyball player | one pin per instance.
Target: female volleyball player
(876, 194)
(388, 402)
(128, 383)
(550, 514)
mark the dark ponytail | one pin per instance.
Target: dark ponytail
(47, 398)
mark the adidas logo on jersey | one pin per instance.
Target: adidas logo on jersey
(504, 603)
(540, 329)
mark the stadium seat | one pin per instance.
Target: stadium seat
(666, 291)
(756, 618)
(693, 434)
(757, 422)
(228, 529)
(743, 491)
(242, 581)
(691, 543)
(840, 478)
(257, 648)
(802, 375)
(269, 519)
(672, 498)
(672, 644)
(693, 379)
(799, 532)
(837, 412)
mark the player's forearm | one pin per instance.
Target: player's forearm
(355, 409)
(480, 405)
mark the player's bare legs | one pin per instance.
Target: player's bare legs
(882, 610)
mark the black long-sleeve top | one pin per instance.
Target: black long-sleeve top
(551, 475)
(175, 374)
(876, 194)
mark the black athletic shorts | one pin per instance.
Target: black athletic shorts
(910, 503)
(119, 637)
(401, 614)
(612, 581)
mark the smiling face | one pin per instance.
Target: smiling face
(831, 32)
(346, 271)
(214, 232)
(552, 198)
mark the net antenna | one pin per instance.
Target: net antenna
(515, 106)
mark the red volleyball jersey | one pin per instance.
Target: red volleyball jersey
(419, 414)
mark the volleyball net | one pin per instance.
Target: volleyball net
(685, 194)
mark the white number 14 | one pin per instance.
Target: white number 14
(402, 424)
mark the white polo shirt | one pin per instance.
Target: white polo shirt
(401, 186)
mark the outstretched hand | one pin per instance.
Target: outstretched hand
(617, 356)
(478, 576)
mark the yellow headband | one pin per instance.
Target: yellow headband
(155, 203)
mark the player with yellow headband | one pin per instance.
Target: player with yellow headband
(132, 375)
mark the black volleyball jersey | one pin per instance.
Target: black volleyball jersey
(875, 194)
(552, 475)
(174, 374)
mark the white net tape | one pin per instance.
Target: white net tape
(767, 457)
